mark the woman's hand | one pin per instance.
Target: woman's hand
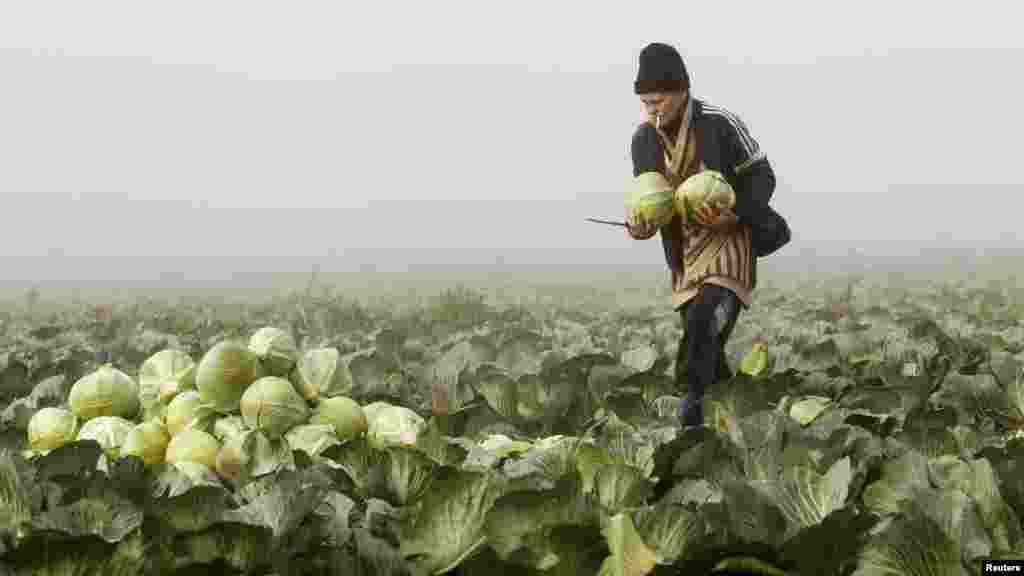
(638, 228)
(715, 218)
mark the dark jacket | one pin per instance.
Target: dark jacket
(724, 144)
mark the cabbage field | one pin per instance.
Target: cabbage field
(868, 429)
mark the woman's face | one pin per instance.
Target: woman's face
(666, 105)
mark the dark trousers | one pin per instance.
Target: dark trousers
(708, 321)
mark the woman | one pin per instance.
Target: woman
(713, 260)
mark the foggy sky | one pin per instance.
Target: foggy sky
(200, 142)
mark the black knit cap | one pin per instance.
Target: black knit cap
(661, 70)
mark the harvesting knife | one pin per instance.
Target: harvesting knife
(609, 222)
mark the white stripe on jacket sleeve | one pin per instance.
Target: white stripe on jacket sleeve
(751, 149)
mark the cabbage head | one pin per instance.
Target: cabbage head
(276, 349)
(182, 411)
(148, 441)
(50, 428)
(374, 409)
(193, 445)
(233, 458)
(650, 196)
(104, 392)
(344, 414)
(163, 375)
(272, 406)
(391, 425)
(705, 188)
(109, 431)
(224, 372)
(323, 373)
